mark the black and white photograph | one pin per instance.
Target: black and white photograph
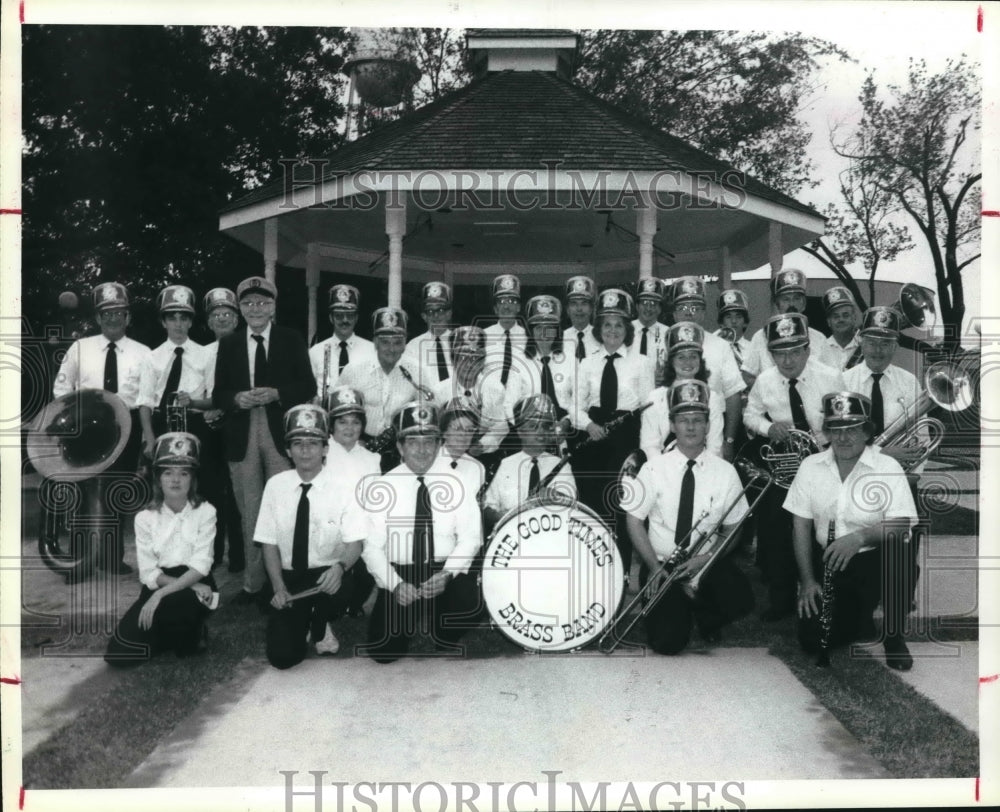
(496, 407)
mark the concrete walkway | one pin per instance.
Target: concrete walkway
(590, 717)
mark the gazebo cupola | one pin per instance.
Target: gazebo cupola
(523, 49)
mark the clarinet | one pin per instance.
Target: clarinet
(826, 615)
(327, 352)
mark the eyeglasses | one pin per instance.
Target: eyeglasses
(257, 304)
(689, 309)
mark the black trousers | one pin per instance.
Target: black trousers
(288, 628)
(447, 617)
(177, 625)
(775, 550)
(724, 595)
(596, 467)
(217, 487)
(856, 590)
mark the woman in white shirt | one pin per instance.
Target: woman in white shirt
(685, 362)
(174, 537)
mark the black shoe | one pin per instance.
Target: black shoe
(897, 655)
(245, 598)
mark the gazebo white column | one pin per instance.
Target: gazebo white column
(645, 227)
(270, 248)
(775, 254)
(395, 227)
(725, 268)
(312, 288)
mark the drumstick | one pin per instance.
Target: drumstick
(305, 593)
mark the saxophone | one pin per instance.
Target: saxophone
(424, 391)
(826, 614)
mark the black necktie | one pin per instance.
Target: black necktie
(548, 385)
(506, 358)
(878, 405)
(454, 464)
(423, 533)
(737, 352)
(609, 386)
(173, 378)
(685, 508)
(798, 409)
(534, 477)
(442, 364)
(642, 345)
(260, 363)
(468, 393)
(111, 369)
(343, 361)
(581, 351)
(300, 536)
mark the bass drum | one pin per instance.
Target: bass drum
(552, 576)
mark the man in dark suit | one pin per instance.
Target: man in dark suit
(262, 371)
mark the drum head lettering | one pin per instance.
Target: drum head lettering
(552, 576)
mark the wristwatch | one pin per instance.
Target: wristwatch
(730, 441)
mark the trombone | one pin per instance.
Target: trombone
(653, 591)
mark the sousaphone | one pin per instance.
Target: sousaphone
(75, 438)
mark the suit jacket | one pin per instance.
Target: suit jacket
(289, 371)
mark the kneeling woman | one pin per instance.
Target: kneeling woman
(174, 538)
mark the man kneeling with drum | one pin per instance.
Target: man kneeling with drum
(424, 531)
(684, 493)
(521, 475)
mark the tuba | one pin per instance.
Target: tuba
(947, 386)
(74, 438)
(915, 307)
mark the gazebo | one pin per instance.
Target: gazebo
(521, 171)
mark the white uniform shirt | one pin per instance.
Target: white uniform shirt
(252, 349)
(348, 468)
(335, 517)
(757, 358)
(743, 344)
(590, 342)
(900, 389)
(497, 402)
(842, 354)
(563, 368)
(156, 370)
(495, 339)
(470, 470)
(509, 487)
(166, 539)
(358, 349)
(420, 357)
(656, 423)
(390, 502)
(635, 382)
(769, 396)
(874, 491)
(83, 367)
(656, 495)
(724, 376)
(656, 340)
(384, 394)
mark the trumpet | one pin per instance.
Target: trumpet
(651, 594)
(945, 385)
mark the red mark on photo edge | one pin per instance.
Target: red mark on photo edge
(10, 680)
(991, 213)
(991, 678)
(20, 799)
(22, 12)
(979, 18)
(977, 789)
(10, 211)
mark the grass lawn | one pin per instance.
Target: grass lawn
(905, 732)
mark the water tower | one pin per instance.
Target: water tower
(382, 74)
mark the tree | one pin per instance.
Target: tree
(136, 137)
(915, 153)
(735, 95)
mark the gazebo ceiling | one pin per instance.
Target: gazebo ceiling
(525, 142)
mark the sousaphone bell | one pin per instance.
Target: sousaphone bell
(74, 438)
